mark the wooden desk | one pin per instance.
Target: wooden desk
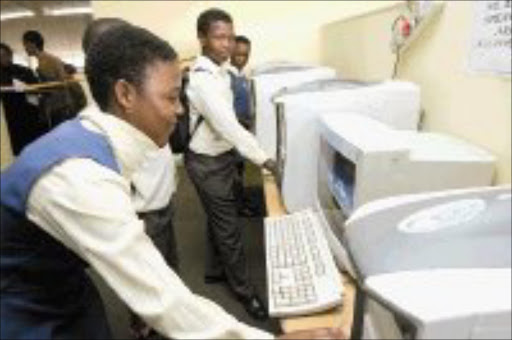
(340, 316)
(39, 87)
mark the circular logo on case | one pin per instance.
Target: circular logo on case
(442, 216)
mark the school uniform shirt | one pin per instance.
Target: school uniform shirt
(155, 182)
(210, 95)
(245, 72)
(237, 72)
(88, 208)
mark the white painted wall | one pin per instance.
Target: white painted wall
(278, 29)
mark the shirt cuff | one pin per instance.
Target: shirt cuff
(260, 158)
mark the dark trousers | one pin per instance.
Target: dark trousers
(159, 227)
(22, 122)
(239, 182)
(214, 178)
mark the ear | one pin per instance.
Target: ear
(202, 40)
(124, 95)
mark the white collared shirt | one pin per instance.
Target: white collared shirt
(245, 72)
(155, 181)
(88, 208)
(210, 95)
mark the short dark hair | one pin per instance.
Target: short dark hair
(242, 39)
(97, 27)
(35, 38)
(208, 17)
(6, 47)
(123, 52)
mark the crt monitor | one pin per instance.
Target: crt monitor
(264, 85)
(298, 108)
(305, 140)
(361, 160)
(370, 160)
(434, 265)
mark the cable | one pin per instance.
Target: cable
(397, 60)
(396, 45)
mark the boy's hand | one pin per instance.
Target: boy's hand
(271, 166)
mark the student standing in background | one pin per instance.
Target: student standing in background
(56, 102)
(241, 94)
(240, 83)
(22, 116)
(152, 187)
(212, 155)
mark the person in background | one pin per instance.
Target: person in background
(21, 114)
(240, 85)
(212, 154)
(152, 187)
(56, 103)
(75, 90)
(241, 94)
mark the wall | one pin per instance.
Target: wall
(476, 108)
(359, 47)
(278, 29)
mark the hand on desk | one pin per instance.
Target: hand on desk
(317, 333)
(271, 166)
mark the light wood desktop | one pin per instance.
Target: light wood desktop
(340, 316)
(50, 85)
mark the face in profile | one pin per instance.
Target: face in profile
(219, 42)
(240, 55)
(156, 103)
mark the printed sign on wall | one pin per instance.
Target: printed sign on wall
(490, 49)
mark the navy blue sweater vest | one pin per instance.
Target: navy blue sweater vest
(241, 103)
(44, 289)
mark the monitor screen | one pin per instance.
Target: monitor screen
(330, 176)
(328, 206)
(341, 181)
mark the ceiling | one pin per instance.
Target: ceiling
(39, 7)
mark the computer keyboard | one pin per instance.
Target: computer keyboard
(301, 275)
